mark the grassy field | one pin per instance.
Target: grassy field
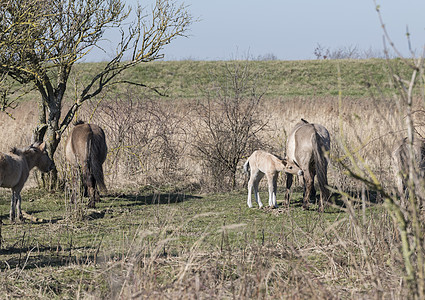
(159, 235)
(159, 243)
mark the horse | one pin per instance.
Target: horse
(262, 163)
(400, 156)
(15, 167)
(86, 149)
(306, 146)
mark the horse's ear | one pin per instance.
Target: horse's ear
(42, 146)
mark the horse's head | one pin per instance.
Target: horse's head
(38, 157)
(292, 167)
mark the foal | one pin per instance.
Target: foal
(15, 168)
(261, 162)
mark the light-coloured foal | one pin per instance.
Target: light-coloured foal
(262, 163)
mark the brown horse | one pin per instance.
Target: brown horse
(306, 147)
(86, 149)
(262, 163)
(14, 171)
(401, 156)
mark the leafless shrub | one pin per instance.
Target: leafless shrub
(346, 52)
(146, 138)
(266, 57)
(228, 122)
(409, 221)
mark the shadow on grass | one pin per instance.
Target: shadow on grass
(336, 200)
(5, 217)
(43, 256)
(129, 200)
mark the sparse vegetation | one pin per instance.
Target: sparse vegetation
(153, 243)
(157, 235)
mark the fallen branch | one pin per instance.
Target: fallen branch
(32, 218)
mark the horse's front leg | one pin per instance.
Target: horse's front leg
(18, 206)
(12, 207)
(256, 192)
(250, 184)
(272, 183)
(289, 180)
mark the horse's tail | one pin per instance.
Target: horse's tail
(93, 166)
(96, 165)
(321, 164)
(246, 167)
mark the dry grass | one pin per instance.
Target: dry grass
(153, 244)
(170, 240)
(150, 142)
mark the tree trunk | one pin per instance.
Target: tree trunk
(47, 131)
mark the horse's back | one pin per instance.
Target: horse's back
(300, 146)
(263, 161)
(83, 135)
(299, 141)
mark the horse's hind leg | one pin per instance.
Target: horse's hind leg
(91, 188)
(257, 179)
(96, 194)
(313, 189)
(308, 186)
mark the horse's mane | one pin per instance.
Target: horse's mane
(278, 156)
(78, 122)
(16, 151)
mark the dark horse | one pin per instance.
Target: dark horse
(306, 147)
(86, 148)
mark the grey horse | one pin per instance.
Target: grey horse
(306, 146)
(15, 167)
(86, 149)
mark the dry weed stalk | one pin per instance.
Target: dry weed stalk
(409, 221)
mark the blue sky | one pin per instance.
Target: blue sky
(290, 30)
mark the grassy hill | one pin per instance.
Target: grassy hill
(183, 79)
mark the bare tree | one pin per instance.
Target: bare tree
(229, 122)
(40, 42)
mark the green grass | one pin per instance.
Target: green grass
(185, 79)
(143, 240)
(64, 258)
